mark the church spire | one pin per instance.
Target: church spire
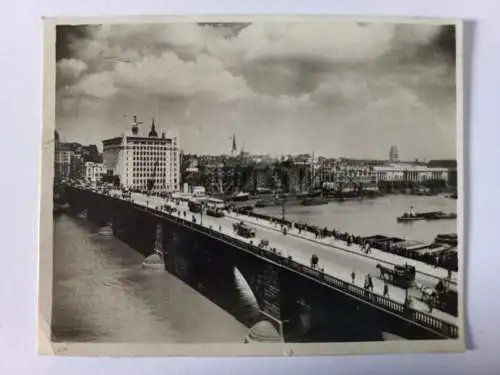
(152, 132)
(233, 149)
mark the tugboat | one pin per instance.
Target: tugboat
(410, 216)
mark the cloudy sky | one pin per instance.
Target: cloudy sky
(340, 89)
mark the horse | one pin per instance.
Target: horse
(384, 271)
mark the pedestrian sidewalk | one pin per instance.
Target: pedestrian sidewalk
(433, 273)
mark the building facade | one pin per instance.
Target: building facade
(93, 172)
(146, 163)
(62, 160)
(410, 173)
(449, 164)
(346, 177)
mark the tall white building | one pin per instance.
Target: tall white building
(93, 171)
(144, 162)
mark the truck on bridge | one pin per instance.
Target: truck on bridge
(244, 230)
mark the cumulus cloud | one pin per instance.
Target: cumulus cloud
(69, 70)
(262, 76)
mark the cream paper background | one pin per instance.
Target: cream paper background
(232, 349)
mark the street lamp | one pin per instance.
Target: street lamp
(283, 209)
(201, 213)
(285, 175)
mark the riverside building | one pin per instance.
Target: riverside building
(93, 172)
(147, 162)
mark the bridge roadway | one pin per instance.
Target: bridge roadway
(335, 262)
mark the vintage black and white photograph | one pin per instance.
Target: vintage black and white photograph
(255, 183)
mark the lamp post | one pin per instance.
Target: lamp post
(201, 213)
(283, 209)
(285, 175)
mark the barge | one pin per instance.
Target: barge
(431, 215)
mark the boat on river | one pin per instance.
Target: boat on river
(450, 239)
(431, 215)
(434, 215)
(268, 202)
(313, 201)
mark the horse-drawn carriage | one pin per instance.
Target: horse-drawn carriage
(402, 276)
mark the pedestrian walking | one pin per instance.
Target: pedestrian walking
(370, 283)
(386, 290)
(353, 276)
(408, 302)
(431, 304)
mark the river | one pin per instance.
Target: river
(375, 216)
(102, 294)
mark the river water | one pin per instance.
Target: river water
(375, 216)
(102, 294)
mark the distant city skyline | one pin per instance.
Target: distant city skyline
(339, 89)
